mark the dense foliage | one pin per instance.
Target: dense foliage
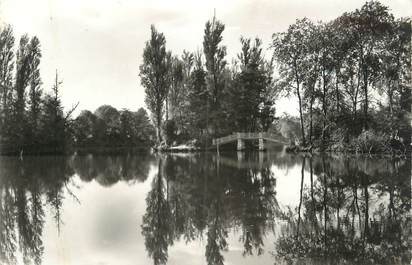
(350, 77)
(205, 97)
(108, 127)
(29, 118)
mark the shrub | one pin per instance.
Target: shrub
(338, 139)
(371, 142)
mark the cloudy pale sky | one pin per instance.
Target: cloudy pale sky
(97, 45)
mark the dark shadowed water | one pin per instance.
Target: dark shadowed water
(247, 208)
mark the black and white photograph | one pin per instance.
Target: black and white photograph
(221, 132)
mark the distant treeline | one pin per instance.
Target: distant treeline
(32, 121)
(351, 78)
(108, 127)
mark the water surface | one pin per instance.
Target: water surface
(236, 208)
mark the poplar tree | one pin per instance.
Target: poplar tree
(21, 83)
(153, 75)
(35, 91)
(7, 57)
(215, 54)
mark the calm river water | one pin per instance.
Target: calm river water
(247, 208)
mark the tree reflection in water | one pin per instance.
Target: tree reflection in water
(356, 212)
(28, 186)
(23, 185)
(108, 170)
(349, 211)
(202, 195)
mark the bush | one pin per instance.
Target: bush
(371, 142)
(339, 139)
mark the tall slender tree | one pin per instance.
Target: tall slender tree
(21, 83)
(198, 98)
(215, 54)
(6, 74)
(35, 91)
(154, 76)
(248, 86)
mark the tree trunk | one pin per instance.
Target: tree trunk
(390, 96)
(302, 128)
(366, 104)
(159, 126)
(167, 108)
(405, 104)
(324, 109)
(207, 121)
(325, 216)
(311, 120)
(338, 207)
(337, 92)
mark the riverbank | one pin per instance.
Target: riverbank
(389, 152)
(294, 149)
(81, 150)
(182, 148)
(188, 148)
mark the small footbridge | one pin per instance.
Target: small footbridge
(241, 137)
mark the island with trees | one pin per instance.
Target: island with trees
(351, 77)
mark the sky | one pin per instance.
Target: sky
(97, 45)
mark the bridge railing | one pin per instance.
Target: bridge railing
(247, 136)
(225, 139)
